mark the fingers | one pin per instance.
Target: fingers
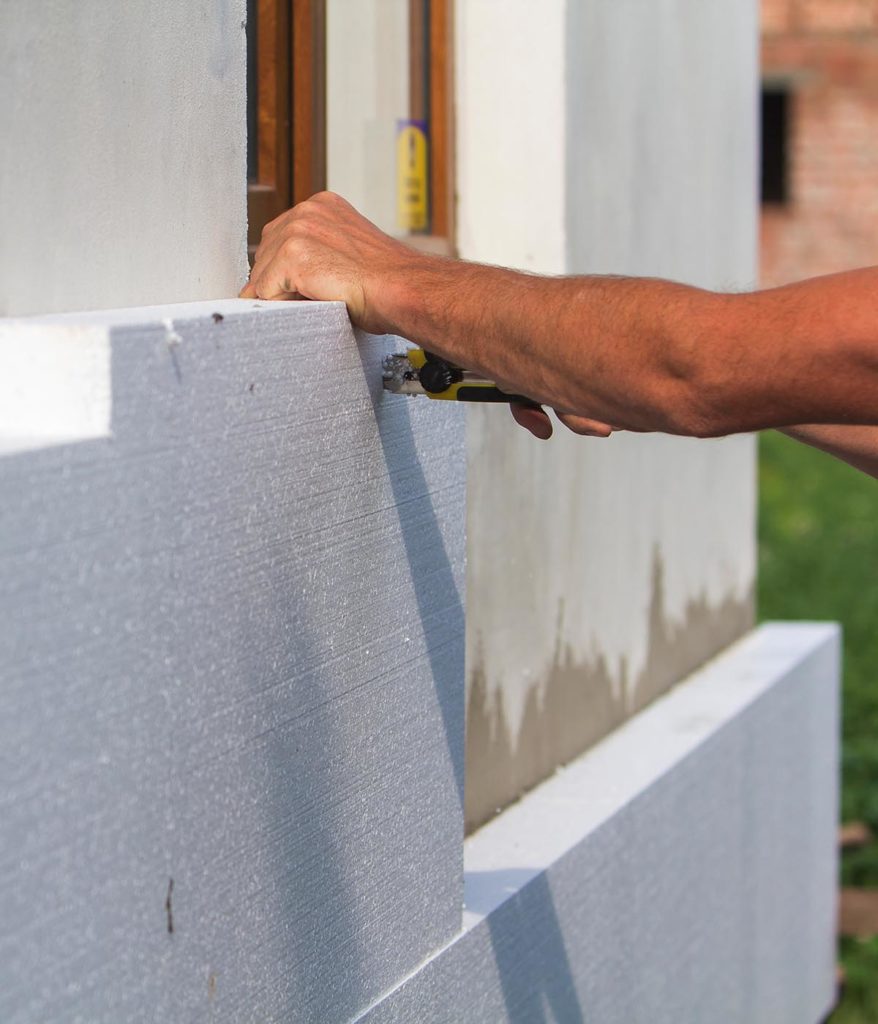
(269, 281)
(267, 277)
(323, 249)
(584, 426)
(271, 276)
(534, 420)
(272, 290)
(286, 250)
(268, 291)
(538, 423)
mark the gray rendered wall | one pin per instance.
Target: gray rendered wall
(602, 137)
(122, 174)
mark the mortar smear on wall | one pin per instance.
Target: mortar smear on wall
(577, 702)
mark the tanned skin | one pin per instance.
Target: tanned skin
(606, 353)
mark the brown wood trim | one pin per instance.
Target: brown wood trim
(308, 98)
(270, 194)
(418, 60)
(442, 120)
(273, 88)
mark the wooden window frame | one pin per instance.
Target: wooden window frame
(437, 36)
(291, 111)
(309, 98)
(442, 124)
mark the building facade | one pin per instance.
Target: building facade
(820, 142)
(251, 604)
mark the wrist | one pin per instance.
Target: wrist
(402, 293)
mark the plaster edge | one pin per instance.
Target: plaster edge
(128, 316)
(56, 369)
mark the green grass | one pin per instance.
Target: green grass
(818, 559)
(860, 1002)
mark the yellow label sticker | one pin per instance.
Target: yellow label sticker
(412, 183)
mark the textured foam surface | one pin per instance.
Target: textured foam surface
(682, 870)
(231, 654)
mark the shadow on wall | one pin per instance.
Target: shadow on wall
(536, 979)
(166, 693)
(432, 571)
(177, 705)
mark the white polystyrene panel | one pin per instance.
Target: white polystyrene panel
(231, 655)
(682, 870)
(54, 385)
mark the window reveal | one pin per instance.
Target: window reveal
(353, 95)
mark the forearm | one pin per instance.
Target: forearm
(646, 354)
(630, 353)
(858, 446)
(623, 350)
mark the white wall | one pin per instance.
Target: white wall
(511, 97)
(601, 138)
(367, 91)
(122, 171)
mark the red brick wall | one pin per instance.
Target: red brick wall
(828, 51)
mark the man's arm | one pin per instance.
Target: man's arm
(857, 446)
(633, 353)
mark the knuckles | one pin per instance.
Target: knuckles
(290, 247)
(316, 218)
(327, 198)
(296, 239)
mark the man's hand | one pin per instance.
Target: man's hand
(324, 249)
(538, 423)
(637, 353)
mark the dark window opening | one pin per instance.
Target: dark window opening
(252, 93)
(775, 145)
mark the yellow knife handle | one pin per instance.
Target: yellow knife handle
(449, 383)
